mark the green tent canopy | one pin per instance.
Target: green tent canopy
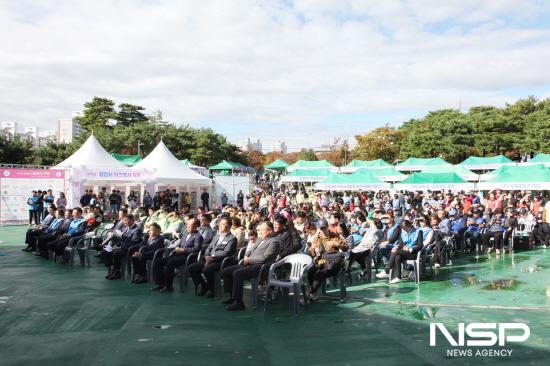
(521, 177)
(189, 164)
(278, 164)
(230, 166)
(412, 164)
(186, 162)
(458, 169)
(485, 163)
(352, 182)
(307, 164)
(387, 174)
(433, 181)
(127, 159)
(353, 165)
(306, 175)
(541, 158)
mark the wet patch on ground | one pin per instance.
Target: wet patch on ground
(502, 284)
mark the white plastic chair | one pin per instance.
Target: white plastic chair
(299, 263)
(525, 233)
(419, 265)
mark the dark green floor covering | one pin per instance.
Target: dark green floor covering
(55, 315)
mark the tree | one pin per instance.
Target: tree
(445, 133)
(307, 154)
(15, 151)
(156, 118)
(255, 159)
(380, 143)
(129, 114)
(97, 113)
(537, 129)
(335, 152)
(495, 132)
(52, 153)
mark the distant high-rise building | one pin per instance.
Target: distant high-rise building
(46, 138)
(9, 130)
(248, 145)
(68, 129)
(30, 133)
(279, 146)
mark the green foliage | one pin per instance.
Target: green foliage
(16, 151)
(307, 155)
(537, 129)
(97, 113)
(128, 114)
(52, 153)
(446, 133)
(516, 129)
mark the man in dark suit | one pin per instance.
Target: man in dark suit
(130, 241)
(265, 251)
(154, 242)
(205, 199)
(164, 268)
(223, 245)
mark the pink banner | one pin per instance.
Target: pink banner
(32, 173)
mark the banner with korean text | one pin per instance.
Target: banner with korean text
(16, 185)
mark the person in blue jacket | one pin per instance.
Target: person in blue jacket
(33, 204)
(408, 246)
(474, 225)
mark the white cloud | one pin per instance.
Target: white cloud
(248, 63)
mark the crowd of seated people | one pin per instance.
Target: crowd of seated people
(337, 230)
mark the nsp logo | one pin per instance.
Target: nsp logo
(482, 334)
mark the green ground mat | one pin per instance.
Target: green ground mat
(51, 314)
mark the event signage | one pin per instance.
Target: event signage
(112, 174)
(16, 185)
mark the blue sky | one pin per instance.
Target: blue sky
(299, 71)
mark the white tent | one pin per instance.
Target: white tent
(91, 167)
(168, 169)
(92, 155)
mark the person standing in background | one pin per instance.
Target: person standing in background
(40, 204)
(240, 199)
(32, 203)
(205, 199)
(61, 201)
(113, 201)
(48, 199)
(147, 200)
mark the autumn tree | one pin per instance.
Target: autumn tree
(380, 143)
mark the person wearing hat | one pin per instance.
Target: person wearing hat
(495, 230)
(408, 245)
(458, 227)
(474, 225)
